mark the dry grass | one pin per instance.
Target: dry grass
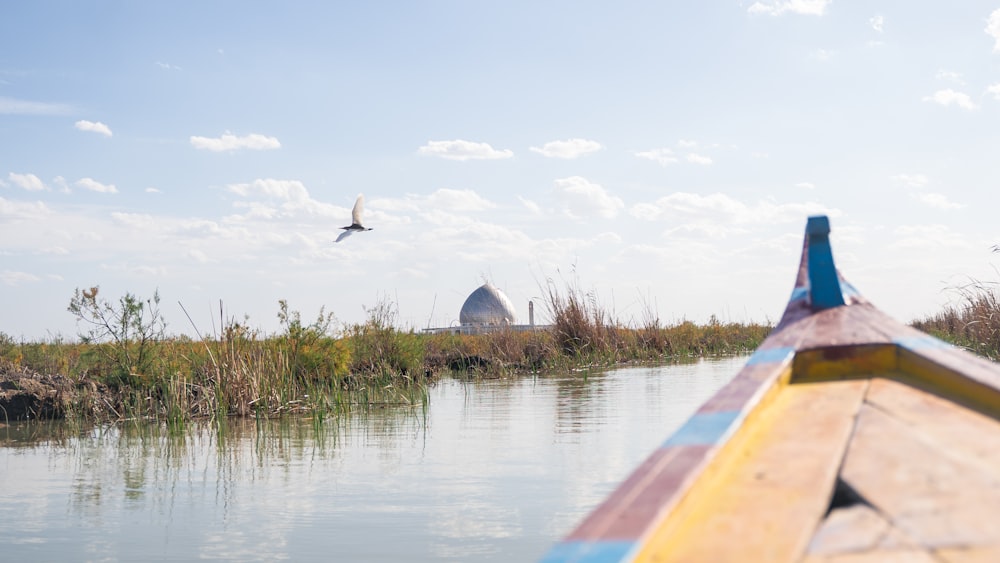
(308, 367)
(973, 323)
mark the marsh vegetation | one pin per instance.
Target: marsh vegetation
(972, 322)
(124, 366)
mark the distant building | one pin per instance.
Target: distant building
(488, 309)
(487, 306)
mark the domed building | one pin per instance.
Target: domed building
(487, 309)
(487, 306)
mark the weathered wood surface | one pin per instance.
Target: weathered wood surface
(856, 529)
(927, 472)
(761, 506)
(909, 422)
(923, 465)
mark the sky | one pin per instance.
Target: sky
(661, 158)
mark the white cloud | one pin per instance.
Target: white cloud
(698, 159)
(877, 23)
(720, 209)
(993, 29)
(776, 8)
(994, 90)
(949, 97)
(806, 185)
(823, 54)
(533, 207)
(28, 182)
(568, 149)
(63, 185)
(95, 186)
(663, 156)
(167, 66)
(442, 199)
(584, 198)
(95, 127)
(938, 201)
(132, 219)
(23, 210)
(459, 200)
(288, 190)
(463, 150)
(152, 190)
(12, 278)
(198, 256)
(950, 76)
(923, 237)
(687, 144)
(910, 180)
(293, 196)
(25, 107)
(230, 142)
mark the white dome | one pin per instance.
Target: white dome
(487, 306)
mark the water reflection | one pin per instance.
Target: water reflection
(491, 470)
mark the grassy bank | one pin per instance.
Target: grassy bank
(973, 322)
(125, 368)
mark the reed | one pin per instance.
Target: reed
(973, 322)
(316, 368)
(585, 332)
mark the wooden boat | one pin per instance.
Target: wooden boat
(847, 436)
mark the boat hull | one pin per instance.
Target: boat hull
(846, 436)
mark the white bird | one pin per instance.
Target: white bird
(355, 225)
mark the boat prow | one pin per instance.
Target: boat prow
(846, 436)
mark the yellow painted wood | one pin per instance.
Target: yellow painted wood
(988, 554)
(926, 478)
(771, 485)
(965, 433)
(841, 363)
(950, 382)
(901, 555)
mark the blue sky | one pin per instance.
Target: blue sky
(662, 156)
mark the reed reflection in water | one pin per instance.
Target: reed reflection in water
(492, 470)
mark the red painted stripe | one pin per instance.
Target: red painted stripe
(634, 506)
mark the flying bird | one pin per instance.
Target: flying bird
(355, 225)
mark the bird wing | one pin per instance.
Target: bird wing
(344, 235)
(359, 207)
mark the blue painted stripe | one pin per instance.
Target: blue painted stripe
(588, 551)
(925, 342)
(771, 355)
(849, 290)
(824, 283)
(799, 293)
(703, 429)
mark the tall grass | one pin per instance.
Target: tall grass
(585, 333)
(972, 323)
(311, 367)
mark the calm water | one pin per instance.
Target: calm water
(490, 471)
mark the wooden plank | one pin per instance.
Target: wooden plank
(901, 555)
(962, 432)
(970, 380)
(935, 491)
(850, 529)
(771, 486)
(988, 554)
(844, 326)
(855, 529)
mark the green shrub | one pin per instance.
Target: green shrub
(126, 334)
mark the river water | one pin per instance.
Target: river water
(494, 470)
